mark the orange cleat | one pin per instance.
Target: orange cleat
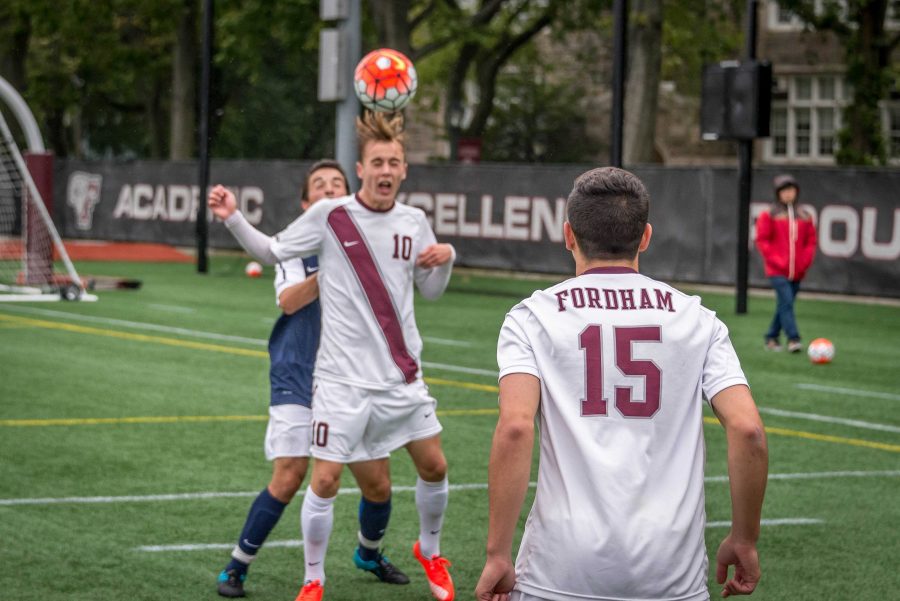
(311, 591)
(436, 571)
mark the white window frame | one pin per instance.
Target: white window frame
(812, 104)
(795, 23)
(888, 128)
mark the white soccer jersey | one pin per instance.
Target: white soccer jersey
(289, 273)
(624, 362)
(367, 261)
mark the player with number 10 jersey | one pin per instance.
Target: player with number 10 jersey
(367, 260)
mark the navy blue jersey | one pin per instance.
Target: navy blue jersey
(292, 349)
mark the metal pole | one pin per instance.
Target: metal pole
(620, 55)
(348, 109)
(203, 159)
(745, 182)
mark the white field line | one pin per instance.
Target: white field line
(292, 543)
(447, 341)
(353, 491)
(213, 546)
(171, 308)
(460, 369)
(769, 522)
(849, 391)
(830, 420)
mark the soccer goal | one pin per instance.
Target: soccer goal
(29, 241)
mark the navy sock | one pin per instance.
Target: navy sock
(373, 521)
(264, 514)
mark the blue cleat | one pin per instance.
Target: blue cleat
(382, 567)
(231, 583)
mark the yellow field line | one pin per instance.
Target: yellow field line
(68, 327)
(53, 325)
(855, 442)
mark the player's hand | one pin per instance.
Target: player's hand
(222, 202)
(497, 580)
(744, 558)
(434, 255)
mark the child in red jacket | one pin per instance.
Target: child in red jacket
(786, 238)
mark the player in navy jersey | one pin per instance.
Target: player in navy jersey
(292, 349)
(615, 367)
(370, 398)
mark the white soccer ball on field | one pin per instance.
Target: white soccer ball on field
(253, 269)
(820, 350)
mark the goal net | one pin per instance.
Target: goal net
(29, 242)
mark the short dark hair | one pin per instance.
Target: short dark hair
(321, 164)
(607, 211)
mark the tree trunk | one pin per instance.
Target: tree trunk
(642, 87)
(13, 52)
(184, 89)
(391, 18)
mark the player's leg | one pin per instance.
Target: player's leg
(287, 446)
(340, 414)
(789, 322)
(773, 334)
(406, 417)
(374, 480)
(432, 494)
(317, 516)
(432, 491)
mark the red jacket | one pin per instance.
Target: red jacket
(787, 241)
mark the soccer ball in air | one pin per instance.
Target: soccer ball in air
(385, 80)
(820, 350)
(253, 269)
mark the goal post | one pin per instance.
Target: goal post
(28, 237)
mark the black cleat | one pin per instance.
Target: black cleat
(382, 567)
(231, 583)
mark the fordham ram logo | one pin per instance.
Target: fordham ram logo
(83, 194)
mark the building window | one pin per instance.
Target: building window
(893, 137)
(806, 115)
(781, 19)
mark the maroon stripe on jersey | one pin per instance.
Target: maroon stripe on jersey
(351, 240)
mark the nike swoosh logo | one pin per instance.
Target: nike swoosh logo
(315, 563)
(312, 269)
(251, 545)
(426, 416)
(350, 243)
(434, 531)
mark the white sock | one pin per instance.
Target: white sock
(431, 501)
(316, 520)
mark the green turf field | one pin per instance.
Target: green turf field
(131, 435)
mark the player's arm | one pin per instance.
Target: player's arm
(224, 206)
(295, 297)
(434, 264)
(508, 474)
(748, 466)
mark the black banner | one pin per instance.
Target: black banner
(510, 216)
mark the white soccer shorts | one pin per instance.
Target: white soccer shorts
(352, 424)
(289, 430)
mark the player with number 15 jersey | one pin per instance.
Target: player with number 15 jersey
(624, 413)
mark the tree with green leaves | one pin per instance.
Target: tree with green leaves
(860, 25)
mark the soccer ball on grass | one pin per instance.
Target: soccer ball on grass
(820, 350)
(385, 80)
(253, 269)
